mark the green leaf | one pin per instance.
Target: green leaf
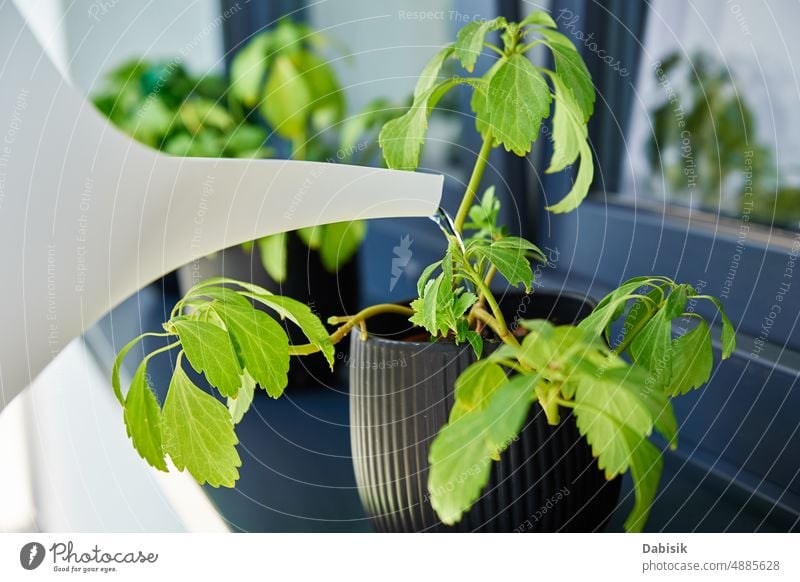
(311, 236)
(327, 98)
(569, 131)
(339, 242)
(646, 466)
(461, 454)
(538, 18)
(475, 386)
(651, 347)
(248, 68)
(287, 99)
(209, 350)
(198, 433)
(470, 39)
(274, 257)
(728, 332)
(426, 274)
(692, 360)
(518, 98)
(401, 138)
(511, 257)
(676, 301)
(261, 344)
(429, 76)
(572, 70)
(480, 100)
(476, 341)
(580, 188)
(302, 316)
(143, 420)
(483, 216)
(241, 404)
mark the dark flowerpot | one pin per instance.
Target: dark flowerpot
(307, 281)
(401, 393)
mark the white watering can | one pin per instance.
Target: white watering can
(88, 216)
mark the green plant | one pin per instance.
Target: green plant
(280, 87)
(617, 404)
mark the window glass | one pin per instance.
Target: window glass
(716, 110)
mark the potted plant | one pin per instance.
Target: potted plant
(545, 409)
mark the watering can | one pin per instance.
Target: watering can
(89, 216)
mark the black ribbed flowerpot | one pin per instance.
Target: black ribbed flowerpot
(401, 393)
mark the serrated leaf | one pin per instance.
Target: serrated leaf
(241, 404)
(198, 433)
(248, 68)
(646, 465)
(461, 454)
(692, 360)
(511, 261)
(261, 344)
(476, 341)
(339, 242)
(475, 387)
(425, 276)
(305, 319)
(651, 347)
(676, 302)
(519, 99)
(572, 70)
(581, 185)
(273, 252)
(401, 138)
(470, 39)
(209, 350)
(569, 131)
(728, 332)
(143, 420)
(480, 102)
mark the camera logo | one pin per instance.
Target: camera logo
(31, 555)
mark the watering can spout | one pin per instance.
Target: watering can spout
(88, 216)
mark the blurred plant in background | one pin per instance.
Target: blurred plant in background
(704, 145)
(281, 90)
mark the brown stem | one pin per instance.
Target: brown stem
(348, 323)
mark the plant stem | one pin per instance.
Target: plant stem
(348, 323)
(496, 326)
(474, 181)
(631, 335)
